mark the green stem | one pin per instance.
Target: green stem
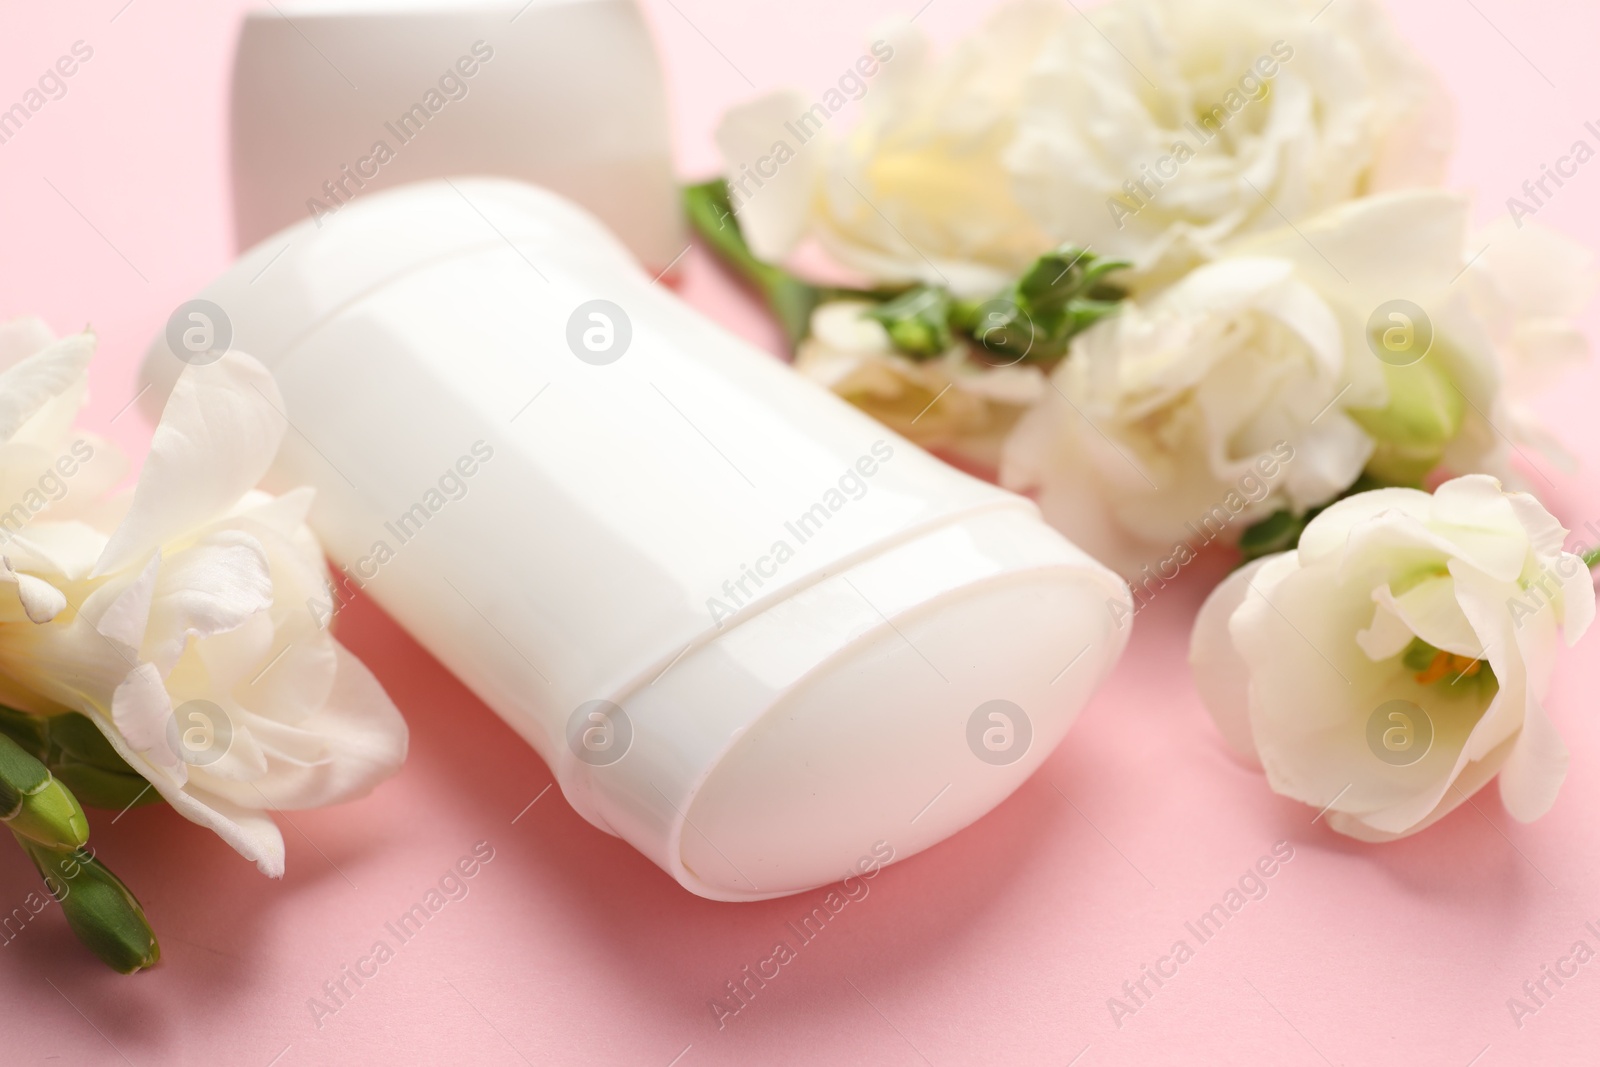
(790, 300)
(1591, 559)
(1061, 294)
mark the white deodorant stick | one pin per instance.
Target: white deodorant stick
(334, 100)
(753, 632)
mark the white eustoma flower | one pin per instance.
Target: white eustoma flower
(176, 622)
(1165, 417)
(951, 403)
(917, 190)
(1400, 657)
(1172, 125)
(1149, 130)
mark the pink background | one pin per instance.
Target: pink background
(1001, 945)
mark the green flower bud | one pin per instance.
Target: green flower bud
(1422, 417)
(36, 806)
(103, 914)
(918, 322)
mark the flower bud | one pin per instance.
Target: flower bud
(918, 322)
(1411, 432)
(103, 914)
(36, 806)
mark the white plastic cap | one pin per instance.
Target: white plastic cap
(334, 100)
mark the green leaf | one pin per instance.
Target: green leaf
(102, 912)
(1057, 279)
(34, 805)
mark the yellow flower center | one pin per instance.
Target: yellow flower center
(1444, 663)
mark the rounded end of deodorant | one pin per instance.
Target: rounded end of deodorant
(869, 716)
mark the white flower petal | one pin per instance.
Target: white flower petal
(121, 611)
(1220, 674)
(142, 713)
(30, 385)
(209, 588)
(1473, 777)
(248, 830)
(1431, 611)
(217, 437)
(68, 549)
(22, 337)
(1388, 635)
(40, 600)
(1536, 767)
(1406, 242)
(353, 742)
(772, 195)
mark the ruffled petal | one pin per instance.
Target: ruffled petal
(217, 437)
(353, 742)
(31, 384)
(247, 829)
(209, 588)
(142, 713)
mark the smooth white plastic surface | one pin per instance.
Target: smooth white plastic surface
(334, 100)
(839, 697)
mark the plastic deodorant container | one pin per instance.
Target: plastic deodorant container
(752, 631)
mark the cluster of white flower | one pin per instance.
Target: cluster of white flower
(1270, 171)
(1307, 200)
(173, 616)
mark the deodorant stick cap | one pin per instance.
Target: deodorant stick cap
(753, 632)
(334, 100)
